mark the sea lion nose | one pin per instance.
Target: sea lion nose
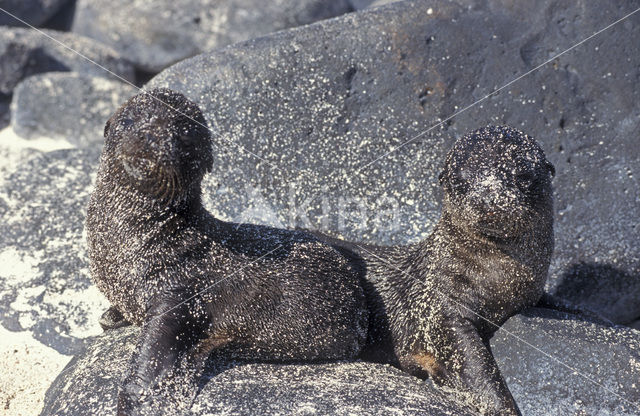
(491, 192)
(151, 140)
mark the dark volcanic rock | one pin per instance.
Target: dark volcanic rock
(5, 114)
(609, 356)
(34, 12)
(600, 372)
(44, 281)
(63, 19)
(155, 37)
(25, 52)
(69, 106)
(318, 104)
(89, 385)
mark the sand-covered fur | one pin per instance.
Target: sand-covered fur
(435, 304)
(195, 283)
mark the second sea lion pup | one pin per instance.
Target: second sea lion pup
(197, 284)
(435, 304)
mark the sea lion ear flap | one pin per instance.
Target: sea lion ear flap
(107, 126)
(551, 168)
(208, 160)
(441, 177)
(209, 164)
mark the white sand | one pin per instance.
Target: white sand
(14, 149)
(27, 369)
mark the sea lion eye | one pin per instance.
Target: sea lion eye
(525, 180)
(127, 122)
(525, 177)
(458, 184)
(551, 169)
(187, 139)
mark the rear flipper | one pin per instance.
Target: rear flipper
(557, 303)
(167, 355)
(112, 319)
(461, 361)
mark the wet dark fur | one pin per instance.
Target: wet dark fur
(196, 283)
(435, 304)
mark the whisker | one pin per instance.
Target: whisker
(166, 182)
(179, 181)
(172, 179)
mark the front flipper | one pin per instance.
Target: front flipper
(169, 336)
(460, 360)
(112, 319)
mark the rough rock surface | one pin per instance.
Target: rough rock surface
(44, 284)
(89, 385)
(69, 106)
(321, 102)
(25, 52)
(171, 30)
(606, 358)
(610, 356)
(34, 12)
(318, 104)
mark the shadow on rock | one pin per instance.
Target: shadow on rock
(603, 288)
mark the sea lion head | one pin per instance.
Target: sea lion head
(158, 143)
(497, 183)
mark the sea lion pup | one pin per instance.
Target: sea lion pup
(196, 283)
(435, 304)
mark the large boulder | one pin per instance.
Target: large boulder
(559, 364)
(25, 52)
(63, 19)
(343, 125)
(171, 30)
(68, 106)
(603, 367)
(33, 12)
(89, 385)
(45, 288)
